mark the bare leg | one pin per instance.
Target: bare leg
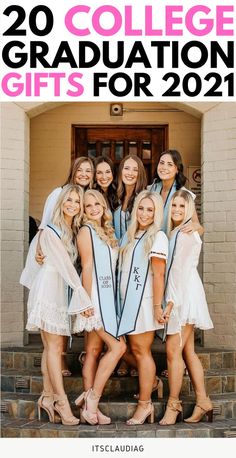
(195, 368)
(94, 347)
(47, 385)
(115, 350)
(64, 365)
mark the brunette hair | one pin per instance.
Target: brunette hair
(180, 178)
(111, 195)
(75, 166)
(189, 208)
(140, 184)
(106, 231)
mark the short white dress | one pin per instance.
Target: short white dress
(145, 321)
(79, 322)
(48, 296)
(185, 288)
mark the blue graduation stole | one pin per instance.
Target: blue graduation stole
(117, 221)
(157, 187)
(105, 282)
(129, 310)
(58, 232)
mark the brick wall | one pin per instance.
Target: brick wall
(219, 220)
(14, 217)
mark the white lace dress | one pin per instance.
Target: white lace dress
(48, 296)
(185, 288)
(81, 323)
(145, 321)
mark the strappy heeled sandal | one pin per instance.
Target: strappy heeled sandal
(49, 409)
(102, 419)
(148, 414)
(61, 401)
(173, 409)
(202, 407)
(89, 411)
(158, 387)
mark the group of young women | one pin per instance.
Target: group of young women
(119, 261)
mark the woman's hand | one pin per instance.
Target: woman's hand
(167, 312)
(39, 256)
(88, 313)
(158, 314)
(190, 227)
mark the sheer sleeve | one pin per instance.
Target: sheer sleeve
(160, 246)
(181, 268)
(49, 207)
(31, 266)
(58, 256)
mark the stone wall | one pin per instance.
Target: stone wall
(14, 217)
(219, 220)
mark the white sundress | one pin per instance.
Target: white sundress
(145, 321)
(48, 296)
(185, 288)
(79, 322)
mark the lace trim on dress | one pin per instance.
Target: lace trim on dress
(81, 323)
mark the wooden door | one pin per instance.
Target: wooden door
(147, 142)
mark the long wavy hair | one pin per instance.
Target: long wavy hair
(105, 231)
(180, 178)
(75, 166)
(58, 218)
(153, 228)
(189, 209)
(140, 184)
(111, 194)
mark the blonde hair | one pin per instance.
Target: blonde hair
(189, 208)
(105, 231)
(58, 218)
(153, 228)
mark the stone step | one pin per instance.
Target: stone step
(29, 357)
(119, 408)
(218, 381)
(34, 429)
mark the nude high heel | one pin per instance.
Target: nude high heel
(61, 401)
(173, 410)
(102, 419)
(89, 411)
(48, 408)
(148, 414)
(202, 407)
(158, 387)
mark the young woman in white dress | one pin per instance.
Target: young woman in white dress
(98, 249)
(186, 309)
(142, 263)
(81, 173)
(49, 296)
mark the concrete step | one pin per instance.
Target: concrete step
(29, 357)
(34, 429)
(218, 381)
(119, 407)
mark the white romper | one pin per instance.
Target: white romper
(185, 288)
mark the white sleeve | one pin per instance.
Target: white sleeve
(160, 246)
(180, 269)
(55, 251)
(49, 207)
(190, 192)
(31, 266)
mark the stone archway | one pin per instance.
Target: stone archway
(218, 176)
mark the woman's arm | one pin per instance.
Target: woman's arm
(193, 225)
(84, 245)
(158, 268)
